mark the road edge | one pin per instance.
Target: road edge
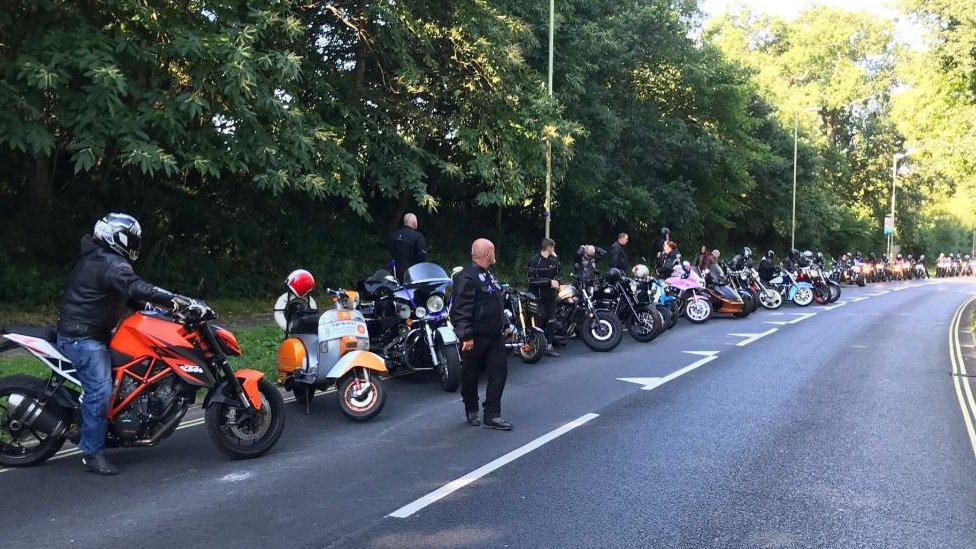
(960, 376)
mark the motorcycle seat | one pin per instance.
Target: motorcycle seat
(46, 333)
(306, 322)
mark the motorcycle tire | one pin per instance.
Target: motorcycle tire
(534, 347)
(755, 299)
(361, 409)
(40, 452)
(450, 368)
(601, 332)
(860, 281)
(771, 299)
(667, 314)
(640, 331)
(747, 304)
(834, 292)
(227, 433)
(806, 299)
(702, 310)
(821, 294)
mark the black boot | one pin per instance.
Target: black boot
(473, 419)
(497, 423)
(99, 465)
(551, 353)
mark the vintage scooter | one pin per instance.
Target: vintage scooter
(324, 349)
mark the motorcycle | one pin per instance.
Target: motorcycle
(160, 360)
(740, 281)
(324, 349)
(692, 299)
(768, 297)
(824, 289)
(800, 293)
(408, 324)
(576, 314)
(524, 337)
(725, 298)
(631, 301)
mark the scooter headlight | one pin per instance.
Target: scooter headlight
(420, 312)
(435, 303)
(403, 311)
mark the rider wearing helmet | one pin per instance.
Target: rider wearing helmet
(99, 286)
(743, 260)
(766, 269)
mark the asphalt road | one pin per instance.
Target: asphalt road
(816, 427)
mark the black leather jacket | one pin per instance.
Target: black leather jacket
(542, 271)
(478, 307)
(618, 257)
(407, 248)
(99, 287)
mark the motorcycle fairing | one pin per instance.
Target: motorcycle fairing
(46, 353)
(357, 359)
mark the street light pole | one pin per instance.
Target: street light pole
(894, 178)
(796, 133)
(552, 25)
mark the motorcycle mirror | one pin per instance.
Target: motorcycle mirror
(202, 288)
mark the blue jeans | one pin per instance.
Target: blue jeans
(93, 365)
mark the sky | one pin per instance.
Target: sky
(905, 30)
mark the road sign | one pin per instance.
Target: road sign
(889, 224)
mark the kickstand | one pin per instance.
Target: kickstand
(308, 400)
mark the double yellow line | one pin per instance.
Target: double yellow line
(966, 403)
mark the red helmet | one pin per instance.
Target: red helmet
(300, 282)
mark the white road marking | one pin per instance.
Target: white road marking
(749, 338)
(855, 299)
(650, 383)
(900, 288)
(834, 306)
(959, 367)
(777, 322)
(882, 292)
(467, 479)
(801, 317)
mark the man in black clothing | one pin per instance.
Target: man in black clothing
(618, 255)
(766, 268)
(407, 246)
(544, 283)
(99, 287)
(478, 315)
(663, 237)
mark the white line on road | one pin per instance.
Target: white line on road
(834, 306)
(959, 367)
(862, 298)
(882, 292)
(749, 338)
(649, 383)
(467, 479)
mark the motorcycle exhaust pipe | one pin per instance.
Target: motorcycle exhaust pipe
(24, 411)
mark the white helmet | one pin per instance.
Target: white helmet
(120, 233)
(640, 271)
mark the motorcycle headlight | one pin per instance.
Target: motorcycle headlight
(814, 273)
(435, 303)
(403, 311)
(420, 312)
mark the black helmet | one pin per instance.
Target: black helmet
(120, 233)
(613, 275)
(665, 231)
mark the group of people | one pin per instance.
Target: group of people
(955, 265)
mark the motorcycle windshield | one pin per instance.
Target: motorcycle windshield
(426, 273)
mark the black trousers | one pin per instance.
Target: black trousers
(547, 308)
(488, 355)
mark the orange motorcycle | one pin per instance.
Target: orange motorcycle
(160, 360)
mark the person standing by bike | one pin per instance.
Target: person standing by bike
(478, 316)
(407, 246)
(99, 286)
(618, 255)
(544, 283)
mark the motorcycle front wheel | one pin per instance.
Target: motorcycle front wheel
(770, 299)
(22, 445)
(803, 297)
(361, 396)
(601, 332)
(450, 368)
(698, 310)
(240, 437)
(646, 325)
(533, 348)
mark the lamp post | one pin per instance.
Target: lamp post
(552, 25)
(796, 143)
(894, 178)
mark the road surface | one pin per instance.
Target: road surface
(834, 426)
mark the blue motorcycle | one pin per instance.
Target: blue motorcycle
(791, 289)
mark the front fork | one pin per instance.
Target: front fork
(430, 345)
(219, 361)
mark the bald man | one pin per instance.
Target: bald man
(478, 316)
(407, 246)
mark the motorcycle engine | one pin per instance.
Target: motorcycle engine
(148, 407)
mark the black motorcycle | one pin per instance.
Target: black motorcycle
(631, 301)
(577, 315)
(526, 339)
(408, 324)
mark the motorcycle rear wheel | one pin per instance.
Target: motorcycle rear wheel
(602, 332)
(15, 449)
(834, 291)
(256, 435)
(533, 348)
